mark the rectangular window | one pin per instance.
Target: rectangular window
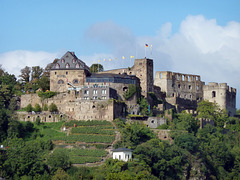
(86, 92)
(95, 91)
(104, 91)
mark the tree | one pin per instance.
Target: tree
(37, 108)
(44, 83)
(53, 107)
(36, 72)
(59, 159)
(25, 74)
(187, 122)
(212, 111)
(96, 68)
(60, 174)
(144, 107)
(29, 108)
(45, 107)
(134, 134)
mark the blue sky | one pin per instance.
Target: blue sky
(188, 36)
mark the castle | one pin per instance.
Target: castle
(100, 96)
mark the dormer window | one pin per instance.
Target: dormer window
(67, 65)
(75, 81)
(63, 61)
(73, 61)
(57, 66)
(77, 66)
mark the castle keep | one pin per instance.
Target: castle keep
(100, 96)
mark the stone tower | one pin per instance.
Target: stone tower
(143, 69)
(221, 94)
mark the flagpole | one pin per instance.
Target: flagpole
(145, 50)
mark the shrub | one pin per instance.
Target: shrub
(37, 108)
(130, 92)
(29, 108)
(47, 94)
(45, 107)
(38, 120)
(53, 107)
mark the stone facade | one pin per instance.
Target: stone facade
(154, 122)
(221, 94)
(143, 69)
(44, 116)
(186, 86)
(74, 107)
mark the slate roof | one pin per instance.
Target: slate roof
(121, 150)
(107, 75)
(70, 61)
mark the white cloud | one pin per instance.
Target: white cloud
(14, 61)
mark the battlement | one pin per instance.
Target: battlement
(219, 86)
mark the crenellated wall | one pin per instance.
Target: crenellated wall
(221, 94)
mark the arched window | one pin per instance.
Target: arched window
(60, 81)
(77, 66)
(75, 81)
(57, 66)
(125, 88)
(73, 61)
(63, 61)
(67, 65)
(213, 94)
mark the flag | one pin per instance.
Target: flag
(104, 59)
(110, 59)
(131, 56)
(146, 45)
(123, 57)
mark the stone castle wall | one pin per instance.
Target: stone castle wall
(75, 108)
(221, 94)
(44, 116)
(186, 86)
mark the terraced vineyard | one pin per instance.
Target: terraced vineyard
(82, 156)
(92, 134)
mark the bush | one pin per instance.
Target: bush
(45, 107)
(29, 108)
(38, 120)
(163, 126)
(130, 92)
(53, 107)
(37, 108)
(47, 94)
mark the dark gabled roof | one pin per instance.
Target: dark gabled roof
(121, 149)
(69, 61)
